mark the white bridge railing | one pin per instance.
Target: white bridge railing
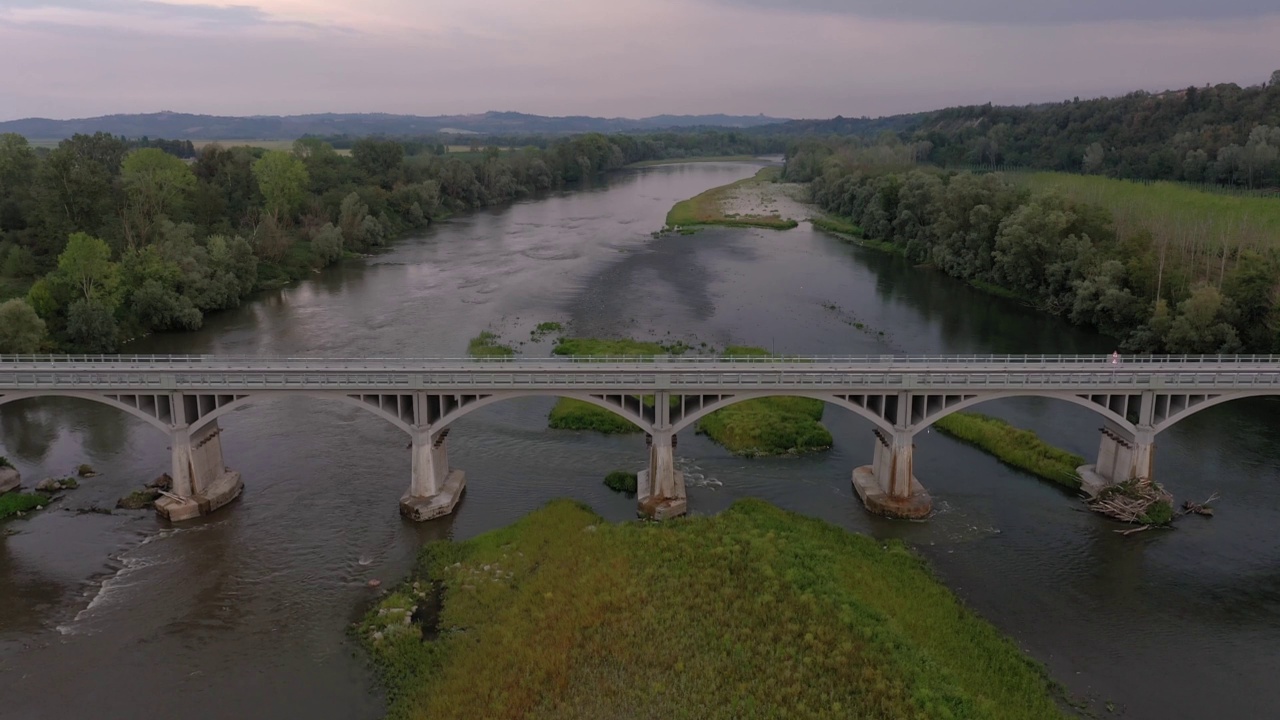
(873, 374)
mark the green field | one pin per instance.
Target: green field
(707, 208)
(750, 614)
(1183, 218)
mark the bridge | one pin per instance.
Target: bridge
(185, 396)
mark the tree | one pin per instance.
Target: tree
(91, 326)
(155, 183)
(21, 329)
(326, 244)
(282, 179)
(1093, 157)
(86, 263)
(1275, 80)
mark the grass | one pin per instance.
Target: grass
(15, 502)
(707, 208)
(545, 328)
(4, 462)
(621, 481)
(752, 613)
(848, 231)
(1013, 446)
(681, 161)
(138, 499)
(486, 345)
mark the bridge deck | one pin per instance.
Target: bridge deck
(936, 374)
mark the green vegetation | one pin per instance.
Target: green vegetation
(707, 208)
(752, 613)
(545, 328)
(842, 226)
(14, 503)
(486, 345)
(1199, 283)
(621, 481)
(4, 462)
(110, 239)
(1013, 446)
(570, 414)
(767, 426)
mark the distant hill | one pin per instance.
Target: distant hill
(848, 126)
(184, 126)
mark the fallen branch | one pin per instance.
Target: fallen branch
(1203, 508)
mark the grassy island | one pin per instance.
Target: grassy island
(768, 426)
(708, 208)
(569, 414)
(1014, 446)
(753, 613)
(486, 345)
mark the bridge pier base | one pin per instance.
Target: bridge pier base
(435, 489)
(201, 482)
(660, 492)
(1120, 458)
(888, 485)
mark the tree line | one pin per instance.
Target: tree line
(1061, 255)
(103, 239)
(1221, 134)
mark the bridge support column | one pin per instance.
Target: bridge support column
(434, 489)
(660, 489)
(1121, 457)
(888, 485)
(201, 482)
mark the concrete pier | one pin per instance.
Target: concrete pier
(1122, 456)
(201, 482)
(435, 488)
(660, 491)
(888, 485)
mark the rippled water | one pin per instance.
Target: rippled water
(243, 614)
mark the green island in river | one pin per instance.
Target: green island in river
(708, 208)
(751, 613)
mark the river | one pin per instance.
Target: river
(244, 614)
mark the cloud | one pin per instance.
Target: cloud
(1023, 11)
(564, 57)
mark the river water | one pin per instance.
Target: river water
(244, 614)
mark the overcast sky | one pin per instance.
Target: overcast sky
(793, 58)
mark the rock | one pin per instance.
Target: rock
(164, 482)
(138, 500)
(9, 479)
(49, 485)
(86, 471)
(374, 583)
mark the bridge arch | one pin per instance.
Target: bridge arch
(696, 415)
(320, 395)
(1083, 402)
(643, 423)
(140, 413)
(1207, 403)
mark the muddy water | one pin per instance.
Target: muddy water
(243, 614)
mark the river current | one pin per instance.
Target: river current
(244, 614)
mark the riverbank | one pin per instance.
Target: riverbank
(745, 203)
(682, 161)
(563, 614)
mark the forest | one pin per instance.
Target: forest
(1155, 288)
(104, 239)
(1222, 134)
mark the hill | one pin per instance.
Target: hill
(184, 126)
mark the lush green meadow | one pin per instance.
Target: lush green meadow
(752, 613)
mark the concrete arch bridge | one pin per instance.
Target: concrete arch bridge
(185, 396)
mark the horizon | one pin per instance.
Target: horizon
(802, 59)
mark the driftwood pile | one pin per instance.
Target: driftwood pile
(1145, 503)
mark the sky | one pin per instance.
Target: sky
(614, 58)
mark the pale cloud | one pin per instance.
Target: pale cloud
(623, 57)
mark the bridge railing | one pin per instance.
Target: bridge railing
(233, 361)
